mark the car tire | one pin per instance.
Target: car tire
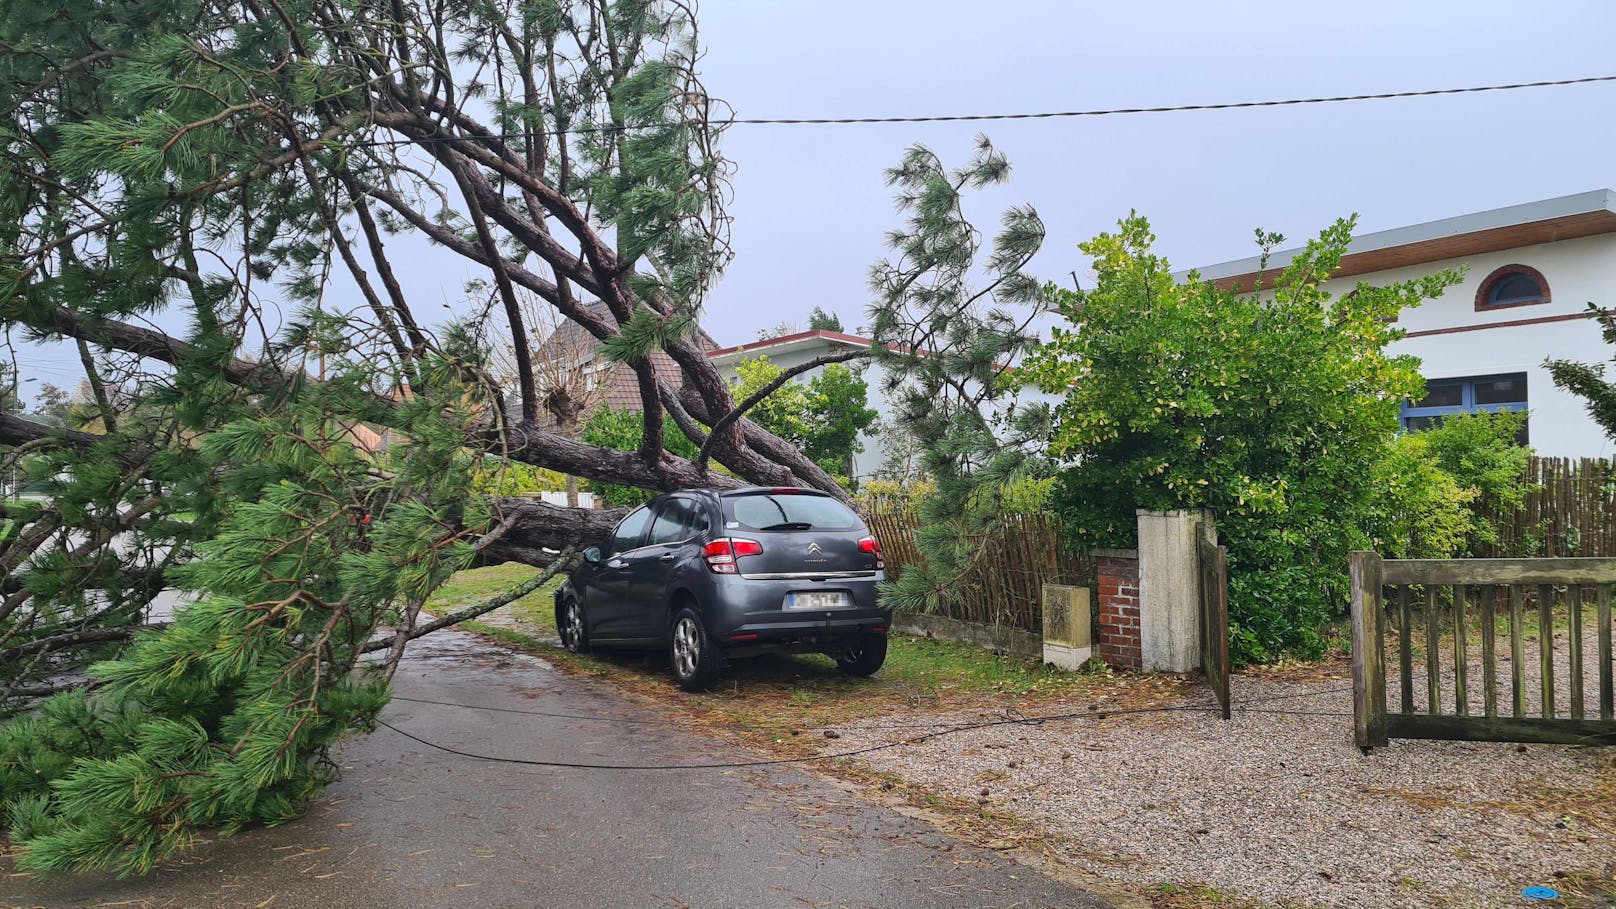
(692, 652)
(572, 625)
(865, 657)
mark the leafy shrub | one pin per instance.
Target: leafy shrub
(890, 495)
(1270, 409)
(498, 478)
(1482, 453)
(1420, 509)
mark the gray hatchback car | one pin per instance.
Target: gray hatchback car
(717, 574)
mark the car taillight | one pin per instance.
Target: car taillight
(721, 554)
(873, 546)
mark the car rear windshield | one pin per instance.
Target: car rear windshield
(788, 511)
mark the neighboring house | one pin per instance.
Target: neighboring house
(567, 359)
(787, 351)
(1531, 271)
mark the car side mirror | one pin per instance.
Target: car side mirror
(592, 555)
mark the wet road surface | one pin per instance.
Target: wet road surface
(409, 826)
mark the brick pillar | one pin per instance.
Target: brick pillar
(1117, 571)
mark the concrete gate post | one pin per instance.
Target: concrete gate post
(1170, 589)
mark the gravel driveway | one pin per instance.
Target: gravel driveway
(1277, 805)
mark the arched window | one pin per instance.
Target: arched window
(1512, 285)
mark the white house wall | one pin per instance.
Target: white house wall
(1578, 271)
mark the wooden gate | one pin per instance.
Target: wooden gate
(1453, 611)
(1214, 560)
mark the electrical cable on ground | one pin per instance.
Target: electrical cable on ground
(868, 749)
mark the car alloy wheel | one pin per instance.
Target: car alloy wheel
(686, 647)
(572, 632)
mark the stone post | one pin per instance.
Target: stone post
(1170, 589)
(1067, 625)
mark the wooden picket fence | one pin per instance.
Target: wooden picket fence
(1445, 622)
(1005, 584)
(1570, 513)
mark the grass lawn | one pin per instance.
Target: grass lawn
(480, 583)
(774, 699)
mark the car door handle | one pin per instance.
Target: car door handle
(668, 557)
(615, 563)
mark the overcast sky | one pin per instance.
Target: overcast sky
(811, 206)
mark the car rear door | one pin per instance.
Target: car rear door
(608, 598)
(650, 568)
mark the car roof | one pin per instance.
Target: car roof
(748, 491)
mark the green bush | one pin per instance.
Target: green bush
(1419, 510)
(498, 478)
(1272, 410)
(1482, 453)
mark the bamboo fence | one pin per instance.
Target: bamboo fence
(1004, 585)
(1570, 511)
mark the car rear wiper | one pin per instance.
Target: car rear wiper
(789, 525)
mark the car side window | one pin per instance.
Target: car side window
(672, 523)
(628, 532)
(698, 522)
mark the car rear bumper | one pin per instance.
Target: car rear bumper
(751, 615)
(824, 636)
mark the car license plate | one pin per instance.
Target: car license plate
(828, 599)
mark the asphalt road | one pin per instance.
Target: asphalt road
(409, 826)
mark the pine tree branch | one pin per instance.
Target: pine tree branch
(19, 430)
(479, 608)
(149, 343)
(76, 639)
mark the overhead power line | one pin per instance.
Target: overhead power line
(1227, 105)
(1040, 115)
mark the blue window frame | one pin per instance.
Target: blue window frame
(1445, 397)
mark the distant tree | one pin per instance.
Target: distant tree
(820, 320)
(9, 401)
(1587, 380)
(824, 417)
(779, 330)
(54, 405)
(838, 413)
(784, 411)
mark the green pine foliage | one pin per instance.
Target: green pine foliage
(1587, 380)
(224, 718)
(820, 320)
(1271, 409)
(948, 348)
(178, 163)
